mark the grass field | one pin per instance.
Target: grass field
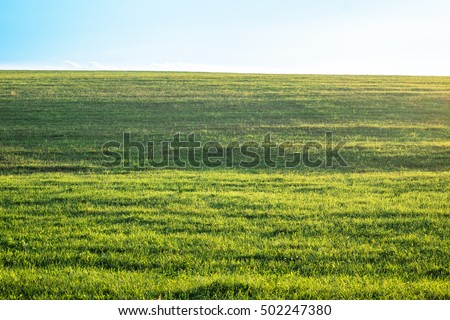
(69, 228)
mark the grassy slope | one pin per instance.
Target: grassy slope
(58, 120)
(378, 229)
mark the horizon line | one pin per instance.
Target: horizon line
(225, 72)
(178, 66)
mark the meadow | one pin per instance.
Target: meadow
(72, 229)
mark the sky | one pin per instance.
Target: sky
(257, 36)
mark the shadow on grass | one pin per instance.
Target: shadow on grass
(43, 169)
(215, 290)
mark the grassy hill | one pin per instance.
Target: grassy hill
(71, 228)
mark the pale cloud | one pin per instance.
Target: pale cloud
(97, 66)
(72, 65)
(181, 66)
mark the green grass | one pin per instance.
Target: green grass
(69, 228)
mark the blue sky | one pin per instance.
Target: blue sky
(284, 36)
